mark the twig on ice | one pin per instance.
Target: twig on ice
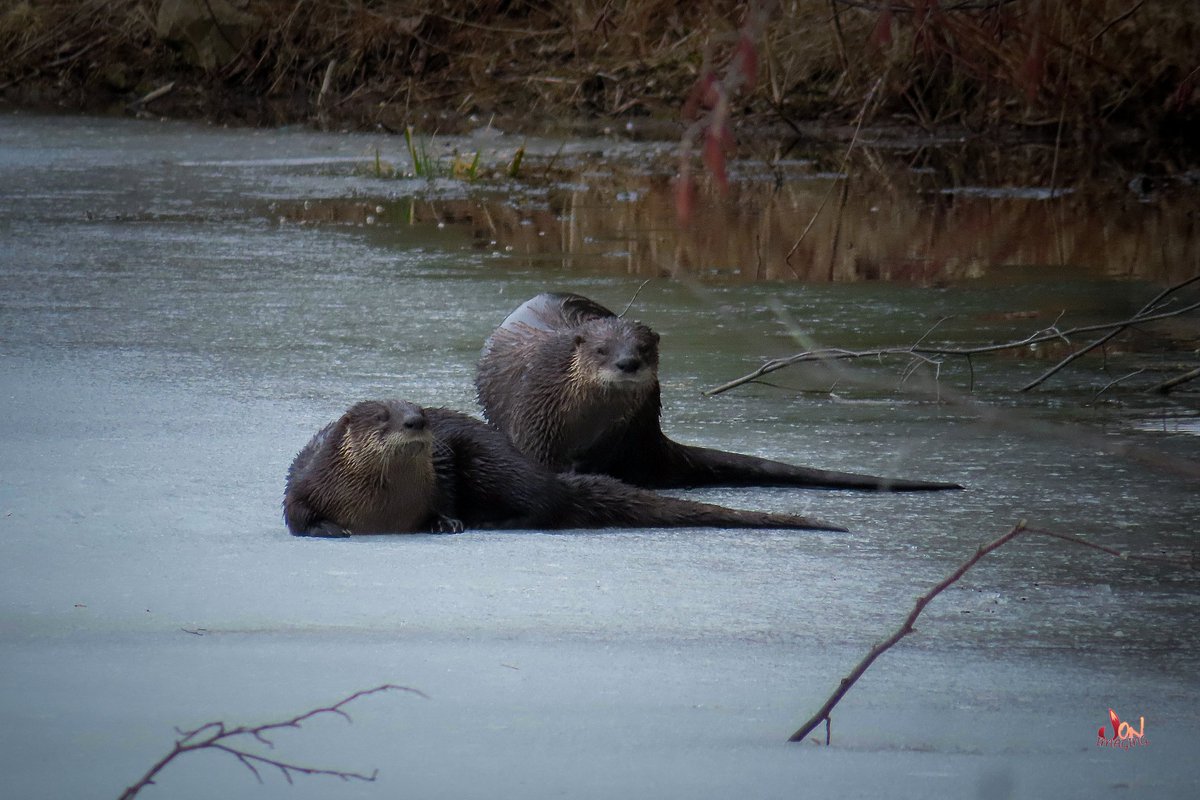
(907, 627)
(216, 736)
(879, 649)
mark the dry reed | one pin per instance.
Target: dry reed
(1085, 69)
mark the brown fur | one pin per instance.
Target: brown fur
(393, 467)
(371, 471)
(546, 379)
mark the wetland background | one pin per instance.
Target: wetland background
(1114, 77)
(182, 304)
(957, 115)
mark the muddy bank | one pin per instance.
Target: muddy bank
(1090, 74)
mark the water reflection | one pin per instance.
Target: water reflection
(882, 224)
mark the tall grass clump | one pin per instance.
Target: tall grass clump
(1022, 62)
(423, 164)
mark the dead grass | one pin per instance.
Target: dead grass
(1079, 70)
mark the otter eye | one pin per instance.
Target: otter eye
(602, 351)
(382, 415)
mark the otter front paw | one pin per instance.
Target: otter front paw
(324, 530)
(444, 524)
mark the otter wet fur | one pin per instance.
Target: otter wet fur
(388, 466)
(576, 389)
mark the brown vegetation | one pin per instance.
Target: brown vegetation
(888, 222)
(1081, 70)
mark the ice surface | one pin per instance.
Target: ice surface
(165, 349)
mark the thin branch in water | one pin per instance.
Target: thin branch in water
(1178, 380)
(917, 362)
(1038, 381)
(1146, 309)
(636, 292)
(1051, 333)
(216, 736)
(1053, 329)
(1115, 381)
(932, 328)
(823, 715)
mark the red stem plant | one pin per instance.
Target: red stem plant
(707, 107)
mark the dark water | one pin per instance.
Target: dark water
(181, 307)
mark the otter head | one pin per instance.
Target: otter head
(616, 354)
(378, 431)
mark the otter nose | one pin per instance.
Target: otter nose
(413, 422)
(629, 364)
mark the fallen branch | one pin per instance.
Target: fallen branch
(151, 96)
(1146, 309)
(918, 351)
(907, 627)
(1115, 381)
(1178, 380)
(879, 649)
(216, 736)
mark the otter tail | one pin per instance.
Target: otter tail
(701, 466)
(597, 501)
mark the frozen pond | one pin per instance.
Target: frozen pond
(169, 338)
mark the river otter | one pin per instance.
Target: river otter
(576, 388)
(388, 466)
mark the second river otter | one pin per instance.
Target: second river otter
(576, 388)
(388, 466)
